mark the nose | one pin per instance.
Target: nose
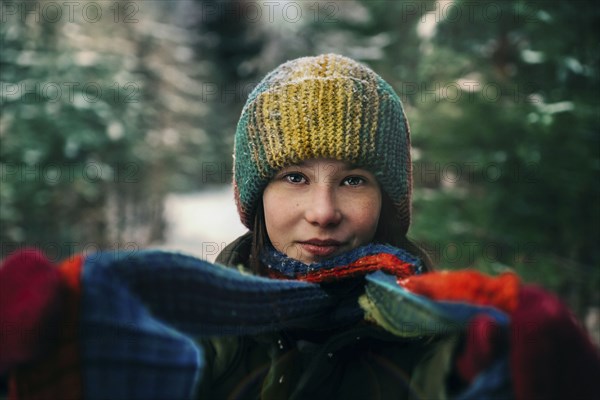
(323, 209)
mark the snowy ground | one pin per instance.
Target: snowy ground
(201, 223)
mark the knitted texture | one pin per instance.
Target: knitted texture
(406, 314)
(474, 286)
(30, 298)
(327, 106)
(58, 373)
(130, 318)
(359, 261)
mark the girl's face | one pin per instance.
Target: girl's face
(321, 208)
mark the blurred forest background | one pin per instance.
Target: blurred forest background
(110, 106)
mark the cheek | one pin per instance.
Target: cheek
(278, 211)
(366, 217)
(272, 217)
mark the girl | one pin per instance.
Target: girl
(322, 168)
(323, 178)
(331, 300)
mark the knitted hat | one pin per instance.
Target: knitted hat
(327, 106)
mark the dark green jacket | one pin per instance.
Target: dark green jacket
(359, 362)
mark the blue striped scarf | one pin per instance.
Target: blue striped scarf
(141, 313)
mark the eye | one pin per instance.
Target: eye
(295, 178)
(353, 181)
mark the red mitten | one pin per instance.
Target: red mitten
(31, 291)
(552, 357)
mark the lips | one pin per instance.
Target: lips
(321, 247)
